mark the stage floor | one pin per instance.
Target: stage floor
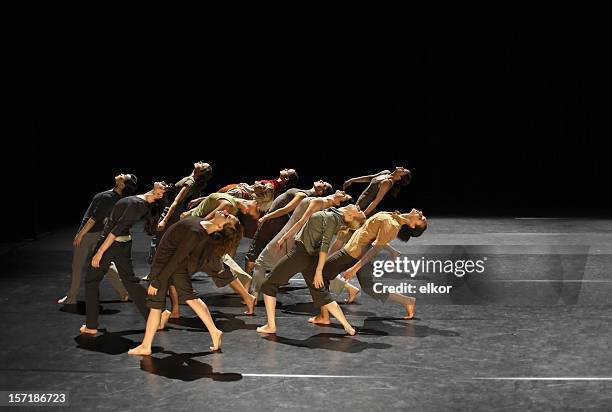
(534, 331)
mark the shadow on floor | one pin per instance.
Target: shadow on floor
(330, 341)
(402, 327)
(226, 300)
(227, 322)
(182, 366)
(111, 343)
(79, 309)
(307, 309)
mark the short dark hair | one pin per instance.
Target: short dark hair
(404, 181)
(347, 201)
(130, 185)
(292, 178)
(406, 232)
(329, 189)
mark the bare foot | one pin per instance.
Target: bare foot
(266, 329)
(251, 305)
(350, 330)
(217, 337)
(164, 319)
(64, 301)
(140, 350)
(320, 320)
(352, 292)
(125, 298)
(85, 330)
(410, 308)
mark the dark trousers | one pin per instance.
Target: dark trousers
(297, 260)
(265, 233)
(119, 253)
(341, 261)
(184, 288)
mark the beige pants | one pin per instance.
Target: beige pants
(81, 259)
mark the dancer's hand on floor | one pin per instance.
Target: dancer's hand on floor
(152, 291)
(318, 279)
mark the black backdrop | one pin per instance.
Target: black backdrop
(498, 111)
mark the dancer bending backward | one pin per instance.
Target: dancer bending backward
(223, 202)
(379, 185)
(191, 245)
(87, 237)
(366, 242)
(183, 192)
(308, 257)
(274, 250)
(115, 246)
(278, 215)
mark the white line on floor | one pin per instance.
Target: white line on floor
(542, 378)
(539, 218)
(552, 280)
(280, 375)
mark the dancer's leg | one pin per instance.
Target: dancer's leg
(113, 276)
(297, 260)
(152, 324)
(408, 302)
(174, 300)
(200, 308)
(123, 262)
(335, 310)
(237, 271)
(80, 256)
(244, 294)
(92, 289)
(270, 326)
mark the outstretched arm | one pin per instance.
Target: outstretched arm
(223, 205)
(369, 255)
(363, 179)
(314, 206)
(394, 252)
(384, 189)
(177, 200)
(290, 207)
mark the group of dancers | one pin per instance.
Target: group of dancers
(318, 232)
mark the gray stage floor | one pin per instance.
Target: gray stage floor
(531, 332)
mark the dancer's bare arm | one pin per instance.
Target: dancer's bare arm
(177, 200)
(290, 207)
(394, 252)
(363, 179)
(223, 205)
(95, 260)
(384, 189)
(318, 278)
(84, 230)
(314, 206)
(369, 255)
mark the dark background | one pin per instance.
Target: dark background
(499, 111)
